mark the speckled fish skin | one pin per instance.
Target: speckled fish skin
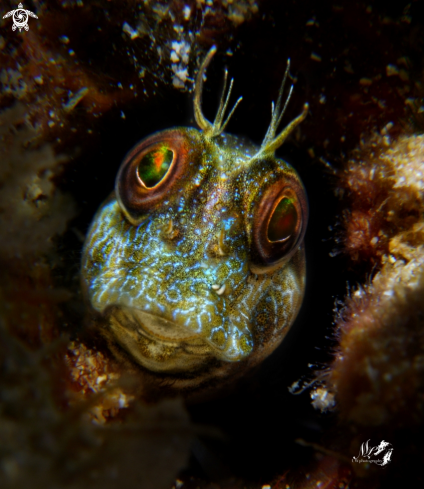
(180, 295)
(196, 261)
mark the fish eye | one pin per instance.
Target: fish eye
(155, 165)
(283, 221)
(149, 173)
(279, 224)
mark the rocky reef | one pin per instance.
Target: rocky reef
(78, 89)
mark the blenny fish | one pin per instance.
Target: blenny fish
(196, 261)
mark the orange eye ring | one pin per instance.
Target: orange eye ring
(279, 224)
(149, 172)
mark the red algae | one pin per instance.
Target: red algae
(382, 185)
(375, 383)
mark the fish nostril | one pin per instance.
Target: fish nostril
(217, 248)
(170, 231)
(221, 246)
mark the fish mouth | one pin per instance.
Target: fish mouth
(162, 329)
(156, 343)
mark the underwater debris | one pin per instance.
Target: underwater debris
(378, 371)
(33, 212)
(91, 373)
(383, 186)
(28, 197)
(12, 83)
(381, 348)
(67, 83)
(45, 444)
(377, 376)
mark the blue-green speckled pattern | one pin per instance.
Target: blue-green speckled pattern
(183, 267)
(185, 275)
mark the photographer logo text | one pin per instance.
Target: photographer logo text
(379, 455)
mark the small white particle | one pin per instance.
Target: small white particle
(133, 33)
(101, 378)
(392, 70)
(186, 12)
(221, 290)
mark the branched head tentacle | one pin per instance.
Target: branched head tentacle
(215, 129)
(276, 112)
(272, 142)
